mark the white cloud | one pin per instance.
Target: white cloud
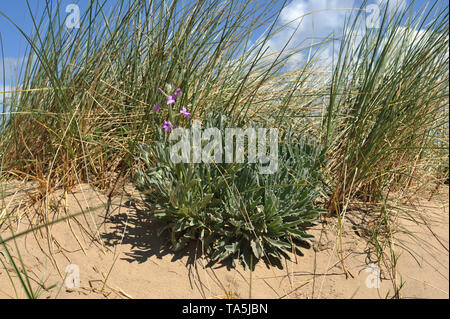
(310, 22)
(12, 66)
(327, 14)
(316, 22)
(6, 89)
(4, 96)
(408, 39)
(9, 68)
(4, 105)
(392, 5)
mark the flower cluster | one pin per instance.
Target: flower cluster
(171, 100)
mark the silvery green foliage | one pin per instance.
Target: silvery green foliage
(232, 209)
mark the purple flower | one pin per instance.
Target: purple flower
(178, 92)
(156, 107)
(185, 113)
(167, 126)
(160, 90)
(171, 99)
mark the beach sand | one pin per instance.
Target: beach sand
(119, 255)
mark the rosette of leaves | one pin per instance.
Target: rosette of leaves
(268, 215)
(235, 211)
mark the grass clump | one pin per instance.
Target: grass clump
(388, 100)
(84, 97)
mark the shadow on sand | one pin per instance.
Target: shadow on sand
(135, 228)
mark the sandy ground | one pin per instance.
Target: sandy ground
(119, 254)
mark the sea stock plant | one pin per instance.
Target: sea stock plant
(233, 210)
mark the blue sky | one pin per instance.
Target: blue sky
(317, 26)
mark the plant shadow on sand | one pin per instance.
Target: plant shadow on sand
(135, 228)
(141, 232)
